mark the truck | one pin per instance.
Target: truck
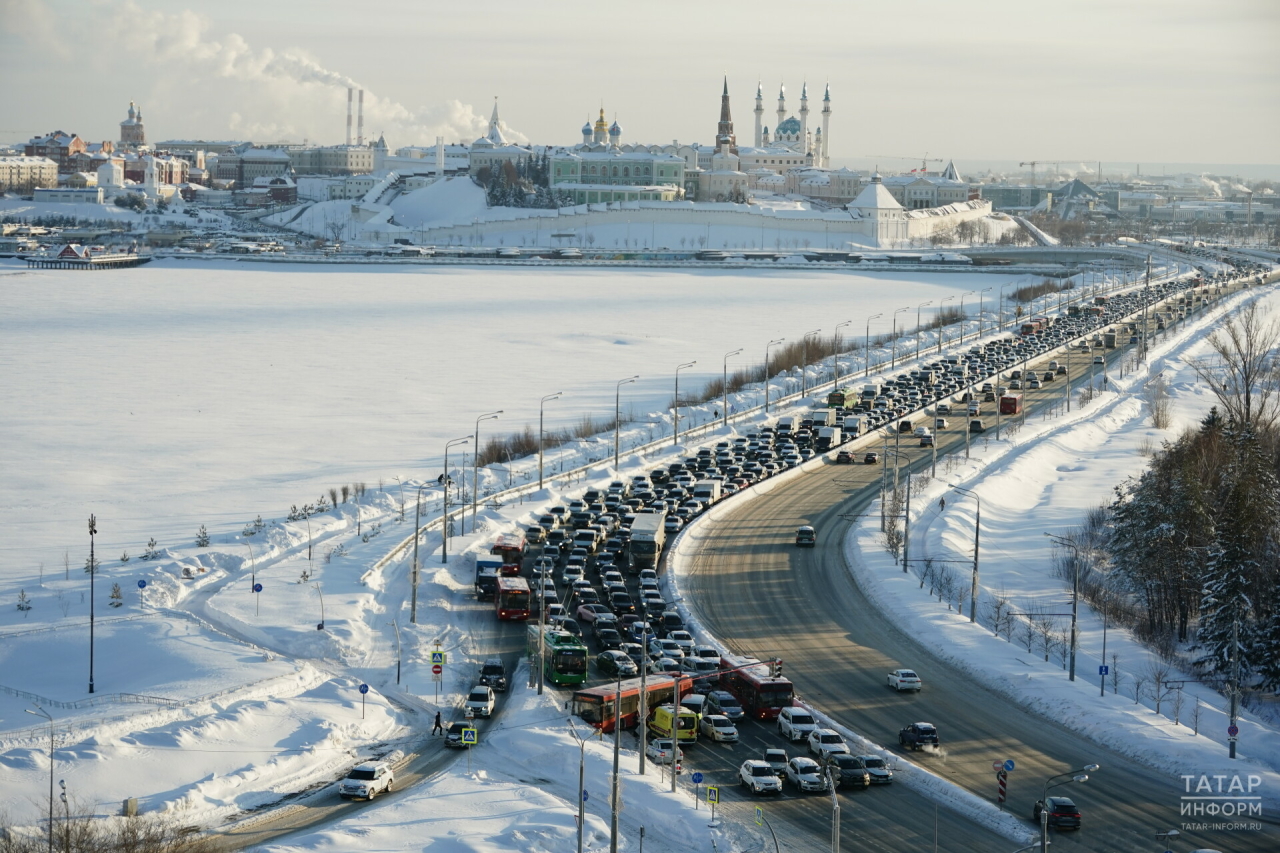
(870, 392)
(648, 535)
(703, 490)
(1030, 327)
(487, 571)
(786, 425)
(825, 417)
(1011, 404)
(853, 427)
(1100, 300)
(1109, 340)
(828, 437)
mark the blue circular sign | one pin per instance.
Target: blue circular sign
(697, 778)
(364, 688)
(142, 584)
(1008, 765)
(257, 587)
(585, 795)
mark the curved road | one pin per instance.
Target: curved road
(763, 596)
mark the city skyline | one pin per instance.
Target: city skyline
(1189, 84)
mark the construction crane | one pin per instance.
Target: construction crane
(924, 161)
(1032, 164)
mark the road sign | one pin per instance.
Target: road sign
(1002, 780)
(697, 778)
(437, 669)
(997, 766)
(1008, 766)
(437, 678)
(469, 737)
(364, 688)
(585, 795)
(759, 816)
(1233, 730)
(1104, 670)
(713, 794)
(257, 587)
(142, 584)
(438, 657)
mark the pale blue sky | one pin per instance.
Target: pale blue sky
(1083, 80)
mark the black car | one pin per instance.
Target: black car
(620, 603)
(494, 674)
(848, 771)
(609, 639)
(453, 738)
(615, 663)
(1063, 814)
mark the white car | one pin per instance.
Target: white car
(366, 781)
(758, 777)
(665, 649)
(806, 774)
(684, 640)
(660, 751)
(481, 701)
(825, 743)
(905, 679)
(881, 772)
(719, 728)
(794, 723)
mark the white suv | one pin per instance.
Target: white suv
(758, 777)
(480, 701)
(794, 724)
(366, 781)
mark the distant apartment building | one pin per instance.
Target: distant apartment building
(59, 146)
(245, 163)
(87, 195)
(27, 173)
(332, 160)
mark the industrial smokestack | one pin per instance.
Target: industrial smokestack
(360, 121)
(348, 115)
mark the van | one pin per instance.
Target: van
(786, 425)
(587, 538)
(684, 722)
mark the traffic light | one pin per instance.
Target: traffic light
(775, 668)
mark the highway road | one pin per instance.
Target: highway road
(762, 596)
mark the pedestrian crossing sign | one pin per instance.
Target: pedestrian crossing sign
(438, 657)
(469, 737)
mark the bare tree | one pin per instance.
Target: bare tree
(1195, 715)
(1158, 674)
(1027, 632)
(998, 607)
(1244, 374)
(1176, 702)
(1159, 402)
(1044, 633)
(1137, 684)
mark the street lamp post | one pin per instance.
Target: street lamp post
(413, 590)
(582, 784)
(444, 519)
(617, 414)
(918, 307)
(41, 712)
(399, 656)
(675, 405)
(1080, 775)
(981, 301)
(977, 531)
(93, 573)
(555, 396)
(475, 467)
(804, 362)
(835, 355)
(835, 813)
(866, 355)
(724, 387)
(617, 748)
(1075, 594)
(941, 327)
(1000, 313)
(962, 314)
(893, 344)
(766, 371)
(253, 576)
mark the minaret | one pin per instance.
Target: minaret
(804, 118)
(782, 106)
(724, 130)
(759, 114)
(826, 128)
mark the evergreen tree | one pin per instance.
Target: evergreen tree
(24, 603)
(117, 596)
(1247, 512)
(1266, 648)
(202, 537)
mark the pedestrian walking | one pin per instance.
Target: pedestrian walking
(942, 504)
(439, 728)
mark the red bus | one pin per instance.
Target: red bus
(511, 601)
(510, 547)
(595, 704)
(761, 693)
(1011, 404)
